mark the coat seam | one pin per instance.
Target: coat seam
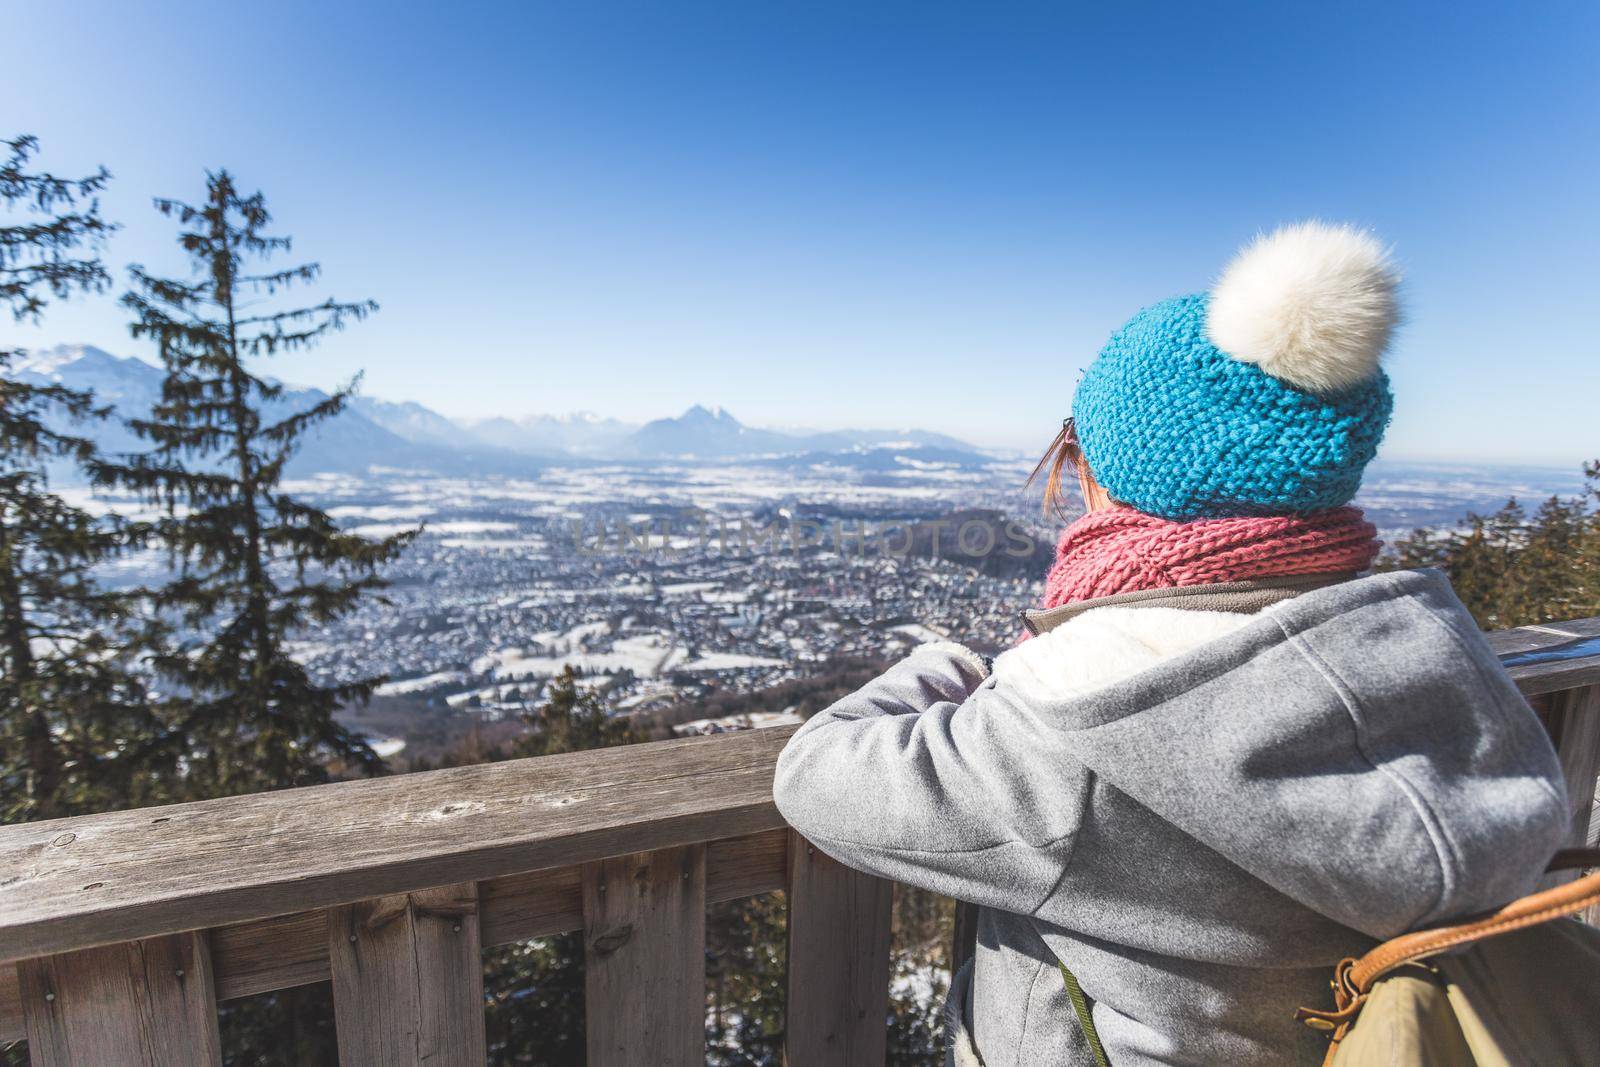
(1027, 1015)
(1352, 706)
(899, 851)
(1087, 790)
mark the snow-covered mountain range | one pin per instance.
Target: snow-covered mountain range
(578, 434)
(373, 433)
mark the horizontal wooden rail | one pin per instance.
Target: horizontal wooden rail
(1551, 657)
(102, 879)
(292, 950)
(511, 851)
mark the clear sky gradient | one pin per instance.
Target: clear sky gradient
(826, 215)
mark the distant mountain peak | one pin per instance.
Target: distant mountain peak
(570, 419)
(716, 413)
(579, 433)
(51, 362)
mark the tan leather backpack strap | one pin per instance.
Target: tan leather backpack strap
(1355, 977)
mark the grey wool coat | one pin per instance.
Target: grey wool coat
(1198, 813)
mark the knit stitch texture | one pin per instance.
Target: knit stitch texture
(1123, 551)
(1173, 426)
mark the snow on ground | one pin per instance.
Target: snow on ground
(326, 484)
(528, 546)
(101, 502)
(565, 640)
(536, 597)
(555, 642)
(380, 529)
(647, 693)
(464, 526)
(759, 720)
(687, 588)
(646, 655)
(307, 652)
(381, 512)
(727, 661)
(417, 685)
(386, 746)
(919, 633)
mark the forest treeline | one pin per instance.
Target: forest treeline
(1512, 567)
(185, 688)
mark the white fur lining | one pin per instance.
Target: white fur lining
(959, 1048)
(960, 652)
(1107, 645)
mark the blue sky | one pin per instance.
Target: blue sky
(827, 215)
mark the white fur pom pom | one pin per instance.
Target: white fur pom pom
(1311, 304)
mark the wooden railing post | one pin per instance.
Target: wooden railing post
(964, 938)
(839, 920)
(1572, 718)
(644, 945)
(408, 979)
(146, 1003)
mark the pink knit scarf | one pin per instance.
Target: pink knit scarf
(1123, 551)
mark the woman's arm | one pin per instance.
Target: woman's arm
(915, 777)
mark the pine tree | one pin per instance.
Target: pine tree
(75, 731)
(253, 565)
(572, 719)
(1586, 560)
(1512, 569)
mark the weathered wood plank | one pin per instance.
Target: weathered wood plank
(1551, 656)
(964, 938)
(277, 953)
(534, 904)
(1527, 638)
(408, 979)
(1572, 718)
(11, 1026)
(644, 940)
(144, 1003)
(747, 866)
(1541, 636)
(540, 903)
(121, 875)
(839, 923)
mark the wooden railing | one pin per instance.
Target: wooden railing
(120, 933)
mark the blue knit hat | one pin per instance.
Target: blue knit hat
(1262, 397)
